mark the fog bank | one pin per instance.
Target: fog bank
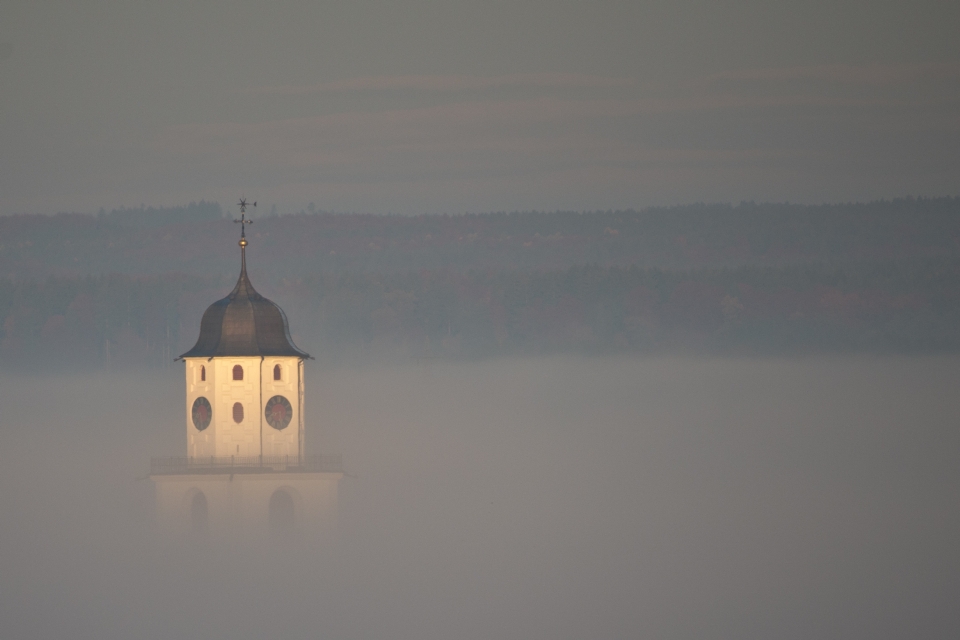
(527, 498)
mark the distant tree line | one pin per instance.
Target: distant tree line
(198, 239)
(153, 217)
(115, 320)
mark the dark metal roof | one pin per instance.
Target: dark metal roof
(244, 324)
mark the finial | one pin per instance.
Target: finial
(243, 221)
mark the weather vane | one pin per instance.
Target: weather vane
(243, 220)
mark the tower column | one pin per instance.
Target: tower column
(246, 469)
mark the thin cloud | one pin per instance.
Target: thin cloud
(580, 145)
(449, 83)
(465, 122)
(838, 74)
(464, 138)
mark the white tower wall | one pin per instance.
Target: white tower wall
(213, 379)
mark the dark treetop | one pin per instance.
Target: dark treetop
(244, 324)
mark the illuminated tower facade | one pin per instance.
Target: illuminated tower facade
(245, 467)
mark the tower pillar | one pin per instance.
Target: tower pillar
(246, 468)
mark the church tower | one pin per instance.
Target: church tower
(244, 379)
(245, 466)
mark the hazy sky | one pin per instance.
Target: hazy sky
(423, 106)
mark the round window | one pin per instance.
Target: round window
(201, 413)
(278, 412)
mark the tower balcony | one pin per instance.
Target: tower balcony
(183, 465)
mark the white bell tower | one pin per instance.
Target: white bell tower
(245, 467)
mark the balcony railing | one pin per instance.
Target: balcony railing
(247, 464)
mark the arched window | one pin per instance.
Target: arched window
(198, 513)
(276, 372)
(237, 412)
(237, 372)
(203, 373)
(282, 516)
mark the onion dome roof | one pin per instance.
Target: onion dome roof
(244, 324)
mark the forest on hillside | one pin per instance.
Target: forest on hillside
(124, 320)
(128, 287)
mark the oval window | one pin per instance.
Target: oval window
(237, 412)
(201, 413)
(278, 412)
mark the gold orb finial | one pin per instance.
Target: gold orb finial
(243, 242)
